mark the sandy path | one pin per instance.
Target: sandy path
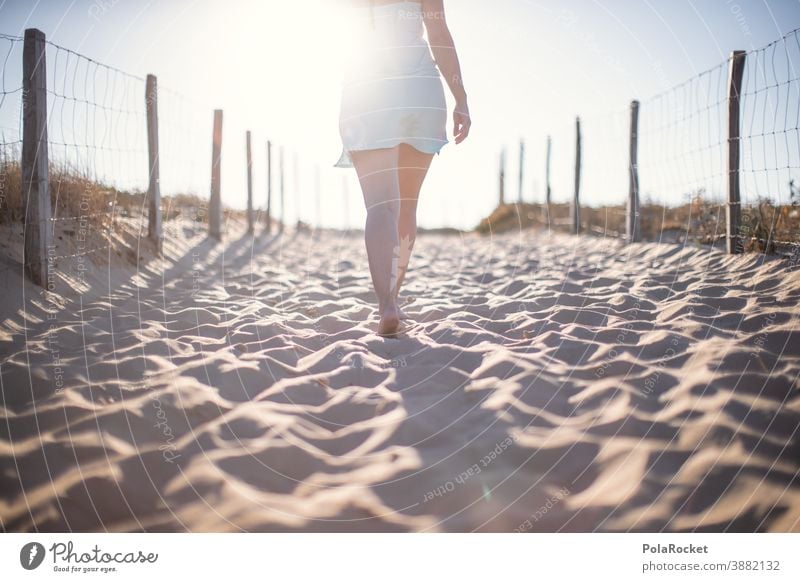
(567, 384)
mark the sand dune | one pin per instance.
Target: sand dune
(543, 384)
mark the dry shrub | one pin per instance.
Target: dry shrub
(765, 226)
(76, 196)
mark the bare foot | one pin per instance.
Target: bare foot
(390, 321)
(403, 315)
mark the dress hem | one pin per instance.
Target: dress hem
(345, 161)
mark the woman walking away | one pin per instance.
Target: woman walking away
(392, 121)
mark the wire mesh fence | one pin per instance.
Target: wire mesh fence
(10, 121)
(11, 92)
(683, 168)
(96, 142)
(99, 157)
(771, 144)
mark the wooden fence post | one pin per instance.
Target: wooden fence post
(502, 176)
(215, 205)
(632, 218)
(547, 183)
(734, 208)
(283, 191)
(154, 231)
(576, 203)
(269, 187)
(250, 214)
(35, 165)
(521, 168)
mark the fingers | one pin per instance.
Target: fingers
(465, 127)
(461, 127)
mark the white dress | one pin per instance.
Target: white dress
(392, 90)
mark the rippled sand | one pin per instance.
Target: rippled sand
(543, 384)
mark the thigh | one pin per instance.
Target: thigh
(377, 173)
(414, 166)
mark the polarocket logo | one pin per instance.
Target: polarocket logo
(31, 555)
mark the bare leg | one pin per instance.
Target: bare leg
(413, 168)
(377, 173)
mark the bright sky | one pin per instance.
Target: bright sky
(274, 66)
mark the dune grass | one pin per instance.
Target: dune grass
(765, 226)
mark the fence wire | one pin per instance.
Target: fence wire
(97, 142)
(770, 140)
(97, 137)
(10, 135)
(10, 119)
(683, 158)
(98, 154)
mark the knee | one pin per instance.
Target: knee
(388, 210)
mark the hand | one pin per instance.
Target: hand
(461, 122)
